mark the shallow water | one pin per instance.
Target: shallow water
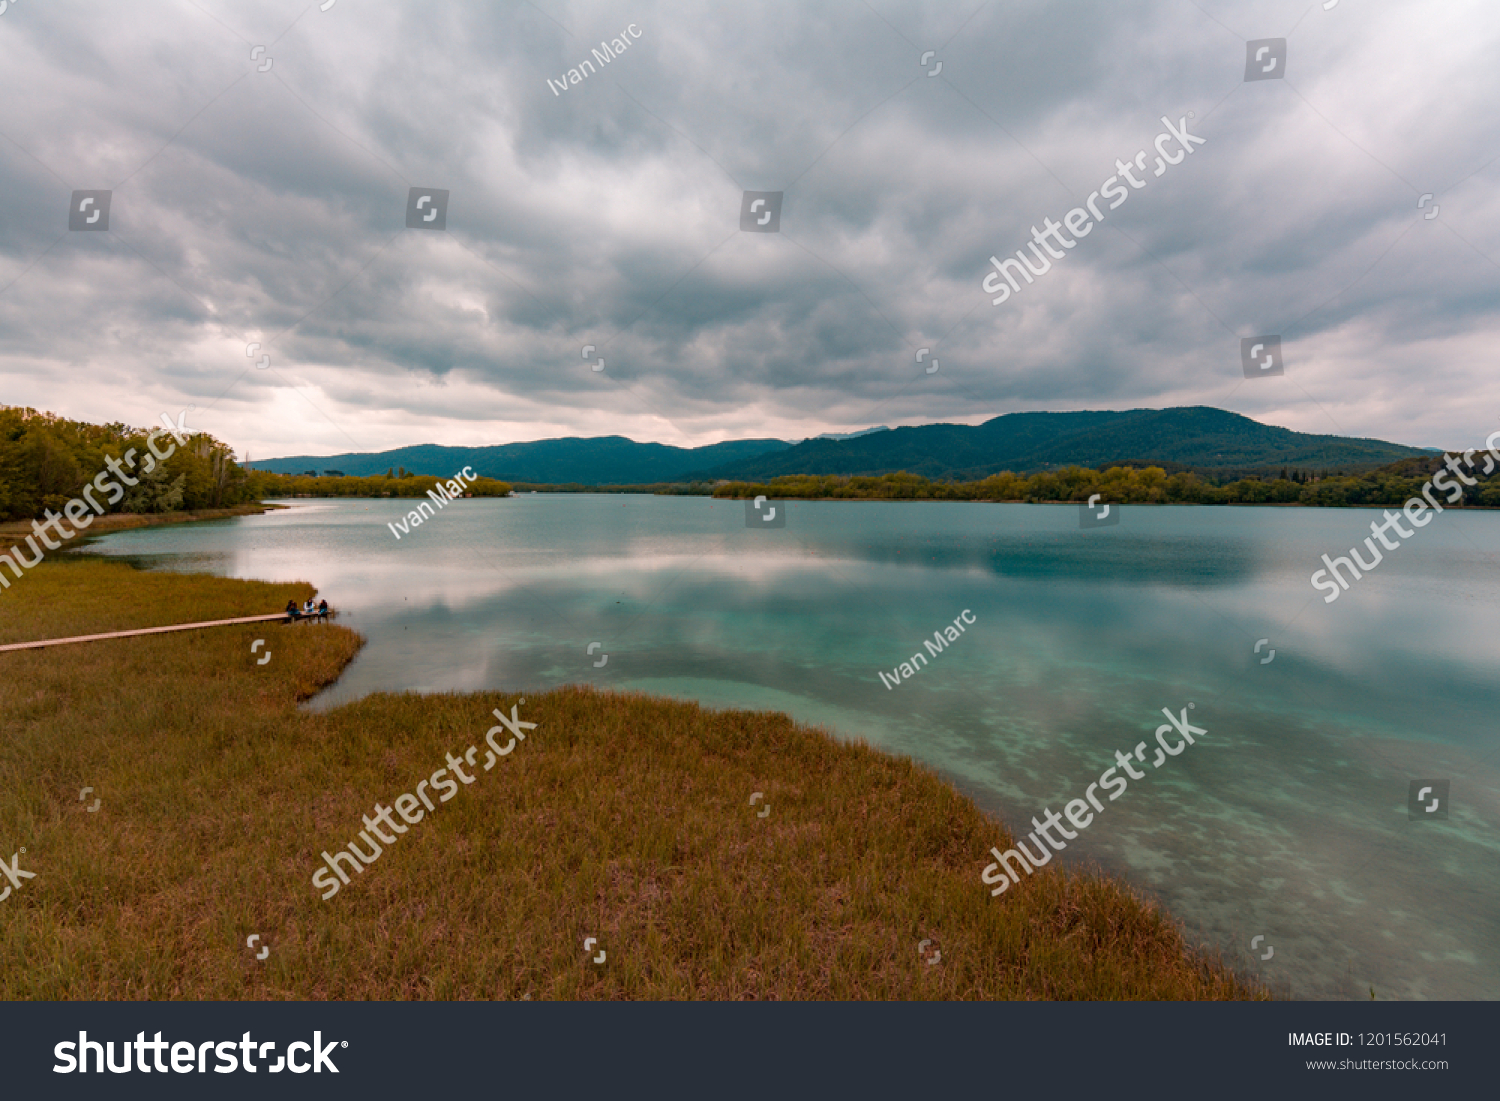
(1288, 819)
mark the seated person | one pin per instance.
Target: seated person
(291, 609)
(323, 609)
(309, 608)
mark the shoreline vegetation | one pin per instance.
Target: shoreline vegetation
(390, 484)
(46, 461)
(622, 817)
(1390, 485)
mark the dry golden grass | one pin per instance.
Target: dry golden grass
(621, 817)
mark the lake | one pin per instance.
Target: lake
(1289, 820)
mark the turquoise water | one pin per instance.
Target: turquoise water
(1287, 820)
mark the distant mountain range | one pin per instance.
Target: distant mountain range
(595, 460)
(846, 435)
(1200, 438)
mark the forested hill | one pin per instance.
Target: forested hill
(1209, 441)
(598, 460)
(1199, 438)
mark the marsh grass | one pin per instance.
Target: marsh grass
(621, 817)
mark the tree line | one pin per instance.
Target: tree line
(390, 484)
(47, 460)
(1389, 485)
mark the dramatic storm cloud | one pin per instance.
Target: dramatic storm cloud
(260, 160)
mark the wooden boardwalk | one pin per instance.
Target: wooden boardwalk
(40, 643)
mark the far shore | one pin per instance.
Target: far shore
(1121, 504)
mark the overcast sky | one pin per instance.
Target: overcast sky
(268, 204)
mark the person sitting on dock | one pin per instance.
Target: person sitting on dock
(309, 609)
(292, 613)
(322, 609)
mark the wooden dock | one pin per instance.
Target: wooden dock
(41, 643)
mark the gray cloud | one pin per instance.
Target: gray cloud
(270, 207)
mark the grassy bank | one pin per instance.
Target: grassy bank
(619, 817)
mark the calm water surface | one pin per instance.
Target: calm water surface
(1287, 820)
